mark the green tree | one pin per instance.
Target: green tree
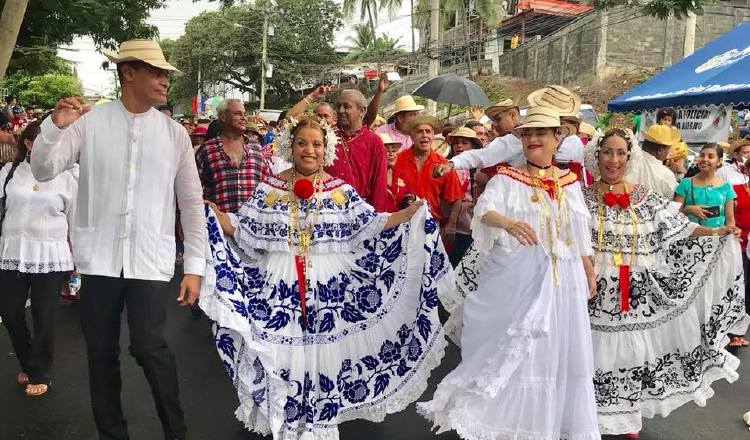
(224, 47)
(366, 46)
(19, 80)
(53, 22)
(367, 9)
(50, 23)
(658, 8)
(46, 90)
(362, 39)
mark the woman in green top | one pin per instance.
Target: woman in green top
(706, 199)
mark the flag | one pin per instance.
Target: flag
(199, 104)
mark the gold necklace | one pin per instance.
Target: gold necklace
(303, 234)
(619, 241)
(562, 216)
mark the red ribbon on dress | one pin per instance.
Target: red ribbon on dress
(302, 282)
(625, 288)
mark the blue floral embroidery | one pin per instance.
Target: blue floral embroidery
(343, 304)
(252, 217)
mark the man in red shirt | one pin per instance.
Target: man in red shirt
(360, 156)
(416, 165)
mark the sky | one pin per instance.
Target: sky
(171, 20)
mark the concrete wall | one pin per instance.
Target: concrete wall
(629, 40)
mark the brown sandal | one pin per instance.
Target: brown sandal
(36, 390)
(22, 378)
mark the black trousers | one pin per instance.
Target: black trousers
(461, 244)
(102, 302)
(34, 354)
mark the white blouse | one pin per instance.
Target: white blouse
(35, 228)
(511, 193)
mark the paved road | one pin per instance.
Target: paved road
(209, 400)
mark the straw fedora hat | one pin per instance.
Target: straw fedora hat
(425, 119)
(496, 109)
(663, 135)
(567, 103)
(678, 151)
(587, 129)
(405, 103)
(464, 132)
(541, 117)
(147, 51)
(386, 138)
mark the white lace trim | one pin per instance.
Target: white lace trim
(470, 429)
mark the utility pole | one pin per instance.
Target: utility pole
(434, 48)
(689, 46)
(263, 62)
(200, 89)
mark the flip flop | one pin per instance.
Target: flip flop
(744, 342)
(36, 390)
(633, 435)
(22, 378)
(735, 342)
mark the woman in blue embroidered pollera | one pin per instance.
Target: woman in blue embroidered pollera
(325, 310)
(526, 367)
(667, 294)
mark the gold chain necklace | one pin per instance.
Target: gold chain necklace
(562, 216)
(619, 239)
(303, 234)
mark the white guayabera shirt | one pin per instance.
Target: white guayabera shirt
(133, 170)
(505, 149)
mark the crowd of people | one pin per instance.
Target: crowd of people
(591, 279)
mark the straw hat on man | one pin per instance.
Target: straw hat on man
(404, 110)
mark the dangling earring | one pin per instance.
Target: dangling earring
(28, 155)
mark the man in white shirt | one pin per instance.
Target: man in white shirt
(734, 171)
(506, 148)
(651, 171)
(134, 161)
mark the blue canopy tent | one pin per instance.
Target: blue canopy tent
(718, 73)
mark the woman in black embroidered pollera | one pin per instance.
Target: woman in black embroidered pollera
(668, 292)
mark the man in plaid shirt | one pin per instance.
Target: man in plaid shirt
(230, 165)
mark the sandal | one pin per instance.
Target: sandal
(36, 390)
(735, 342)
(22, 378)
(744, 342)
(633, 435)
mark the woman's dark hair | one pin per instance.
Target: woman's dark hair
(612, 132)
(714, 146)
(214, 129)
(652, 146)
(662, 113)
(30, 132)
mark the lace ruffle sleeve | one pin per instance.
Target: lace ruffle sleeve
(341, 219)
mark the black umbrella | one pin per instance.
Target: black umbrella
(453, 89)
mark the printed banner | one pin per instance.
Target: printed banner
(697, 125)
